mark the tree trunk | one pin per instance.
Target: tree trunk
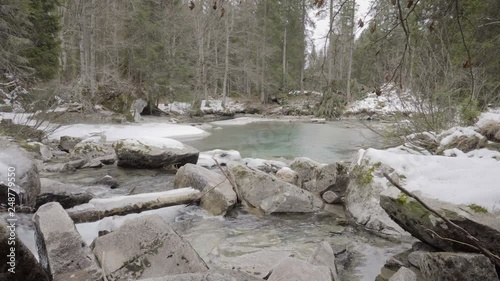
(283, 79)
(302, 70)
(351, 48)
(226, 59)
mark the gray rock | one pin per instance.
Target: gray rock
(258, 264)
(415, 258)
(144, 153)
(107, 180)
(305, 167)
(93, 164)
(298, 270)
(362, 202)
(66, 143)
(15, 162)
(145, 247)
(59, 168)
(404, 274)
(445, 266)
(324, 256)
(63, 254)
(268, 166)
(136, 108)
(24, 264)
(331, 198)
(323, 178)
(220, 196)
(288, 175)
(271, 195)
(41, 150)
(417, 220)
(206, 158)
(107, 159)
(211, 275)
(91, 148)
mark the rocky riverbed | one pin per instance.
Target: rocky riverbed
(166, 211)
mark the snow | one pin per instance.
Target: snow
(297, 92)
(449, 135)
(391, 101)
(212, 105)
(116, 132)
(205, 158)
(244, 121)
(478, 153)
(161, 143)
(486, 117)
(457, 180)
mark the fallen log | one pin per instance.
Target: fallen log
(97, 209)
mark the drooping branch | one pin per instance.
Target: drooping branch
(466, 235)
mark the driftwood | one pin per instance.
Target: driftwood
(95, 213)
(467, 238)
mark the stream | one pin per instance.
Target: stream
(219, 240)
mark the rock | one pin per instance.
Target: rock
(331, 198)
(288, 175)
(222, 156)
(41, 150)
(149, 152)
(298, 270)
(66, 199)
(107, 159)
(415, 258)
(91, 148)
(324, 177)
(211, 275)
(324, 256)
(66, 143)
(93, 164)
(107, 180)
(15, 162)
(268, 166)
(404, 274)
(417, 220)
(464, 139)
(269, 194)
(490, 129)
(258, 264)
(59, 168)
(362, 201)
(145, 247)
(136, 108)
(63, 254)
(24, 264)
(457, 266)
(305, 167)
(220, 197)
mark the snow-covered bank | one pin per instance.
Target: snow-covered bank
(117, 132)
(248, 120)
(450, 179)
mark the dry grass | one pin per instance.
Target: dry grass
(491, 131)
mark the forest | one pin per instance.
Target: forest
(102, 52)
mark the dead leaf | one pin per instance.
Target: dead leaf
(361, 23)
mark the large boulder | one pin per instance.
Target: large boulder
(362, 200)
(268, 166)
(146, 247)
(219, 195)
(269, 194)
(258, 264)
(457, 266)
(288, 175)
(462, 138)
(68, 195)
(429, 228)
(17, 263)
(19, 172)
(66, 143)
(63, 253)
(211, 275)
(404, 274)
(305, 167)
(92, 148)
(150, 152)
(298, 270)
(40, 150)
(324, 256)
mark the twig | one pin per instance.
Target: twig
(205, 193)
(471, 239)
(226, 175)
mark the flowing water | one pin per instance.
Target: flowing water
(220, 240)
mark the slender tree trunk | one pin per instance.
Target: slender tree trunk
(283, 79)
(329, 51)
(226, 59)
(302, 70)
(92, 49)
(351, 48)
(263, 58)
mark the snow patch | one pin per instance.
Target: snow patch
(162, 143)
(244, 121)
(457, 180)
(389, 102)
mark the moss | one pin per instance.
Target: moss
(31, 147)
(365, 177)
(478, 209)
(402, 198)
